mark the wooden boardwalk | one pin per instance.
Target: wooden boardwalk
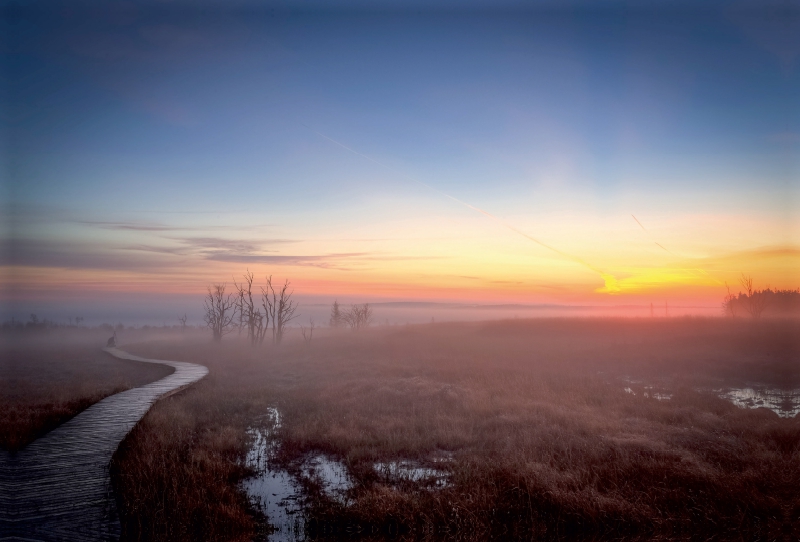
(58, 487)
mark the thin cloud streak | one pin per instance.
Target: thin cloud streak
(651, 237)
(76, 255)
(205, 246)
(158, 250)
(311, 259)
(156, 227)
(132, 226)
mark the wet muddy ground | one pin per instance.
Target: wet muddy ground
(783, 402)
(279, 493)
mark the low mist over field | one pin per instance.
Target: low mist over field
(385, 270)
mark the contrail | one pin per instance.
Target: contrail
(358, 153)
(640, 225)
(701, 271)
(610, 280)
(662, 246)
(651, 237)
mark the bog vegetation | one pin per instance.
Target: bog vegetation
(598, 428)
(543, 440)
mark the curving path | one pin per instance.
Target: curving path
(58, 487)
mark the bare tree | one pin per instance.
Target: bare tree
(239, 306)
(182, 320)
(279, 306)
(220, 311)
(358, 316)
(756, 300)
(249, 315)
(729, 303)
(308, 332)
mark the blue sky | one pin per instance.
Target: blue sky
(175, 124)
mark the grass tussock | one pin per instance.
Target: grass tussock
(543, 439)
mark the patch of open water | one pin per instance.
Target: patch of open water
(330, 474)
(649, 393)
(274, 492)
(278, 494)
(783, 402)
(393, 472)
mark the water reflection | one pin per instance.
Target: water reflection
(785, 403)
(394, 472)
(649, 393)
(278, 494)
(275, 492)
(330, 474)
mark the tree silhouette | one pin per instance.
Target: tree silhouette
(220, 311)
(337, 318)
(757, 300)
(279, 306)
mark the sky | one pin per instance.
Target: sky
(548, 153)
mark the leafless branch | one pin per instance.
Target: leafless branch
(220, 311)
(358, 316)
(280, 307)
(308, 331)
(756, 300)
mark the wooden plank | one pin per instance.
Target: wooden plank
(58, 488)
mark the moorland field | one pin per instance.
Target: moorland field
(542, 438)
(48, 377)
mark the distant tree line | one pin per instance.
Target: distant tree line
(356, 317)
(34, 323)
(753, 302)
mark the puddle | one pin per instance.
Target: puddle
(649, 393)
(274, 492)
(277, 493)
(330, 474)
(397, 471)
(785, 403)
(658, 396)
(265, 443)
(278, 496)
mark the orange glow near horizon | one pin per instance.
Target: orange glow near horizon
(412, 252)
(560, 283)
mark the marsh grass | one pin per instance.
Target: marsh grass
(48, 378)
(545, 442)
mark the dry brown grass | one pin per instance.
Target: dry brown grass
(176, 473)
(545, 441)
(49, 377)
